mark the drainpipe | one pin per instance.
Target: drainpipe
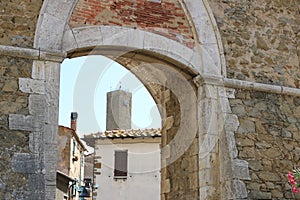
(80, 169)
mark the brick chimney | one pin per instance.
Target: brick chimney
(74, 116)
(118, 112)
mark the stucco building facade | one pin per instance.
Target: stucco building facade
(225, 74)
(127, 164)
(70, 162)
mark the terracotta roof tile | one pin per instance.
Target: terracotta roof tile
(118, 133)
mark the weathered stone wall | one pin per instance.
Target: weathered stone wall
(17, 21)
(268, 138)
(12, 100)
(261, 39)
(261, 44)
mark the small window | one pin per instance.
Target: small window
(74, 147)
(120, 170)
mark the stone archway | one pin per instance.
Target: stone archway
(206, 64)
(175, 92)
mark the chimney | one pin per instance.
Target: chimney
(118, 112)
(74, 117)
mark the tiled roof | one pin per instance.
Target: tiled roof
(115, 134)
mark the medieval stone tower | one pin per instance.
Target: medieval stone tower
(118, 110)
(225, 75)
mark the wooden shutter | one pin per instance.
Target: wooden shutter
(120, 164)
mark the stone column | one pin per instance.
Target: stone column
(42, 123)
(209, 134)
(221, 174)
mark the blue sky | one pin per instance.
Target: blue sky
(84, 82)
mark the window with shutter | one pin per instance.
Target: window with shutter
(120, 170)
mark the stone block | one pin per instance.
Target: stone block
(113, 35)
(208, 91)
(10, 86)
(24, 123)
(182, 53)
(231, 144)
(165, 152)
(231, 122)
(208, 192)
(193, 181)
(208, 117)
(214, 51)
(52, 73)
(209, 66)
(2, 185)
(202, 22)
(37, 105)
(166, 96)
(36, 144)
(38, 70)
(51, 98)
(260, 195)
(2, 195)
(255, 165)
(277, 194)
(272, 153)
(165, 186)
(246, 126)
(50, 175)
(193, 165)
(88, 36)
(269, 176)
(50, 134)
(207, 144)
(240, 169)
(254, 186)
(61, 7)
(239, 110)
(156, 42)
(52, 56)
(50, 154)
(196, 62)
(32, 86)
(135, 38)
(69, 41)
(47, 36)
(168, 123)
(37, 186)
(25, 163)
(240, 189)
(246, 142)
(50, 192)
(205, 177)
(204, 163)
